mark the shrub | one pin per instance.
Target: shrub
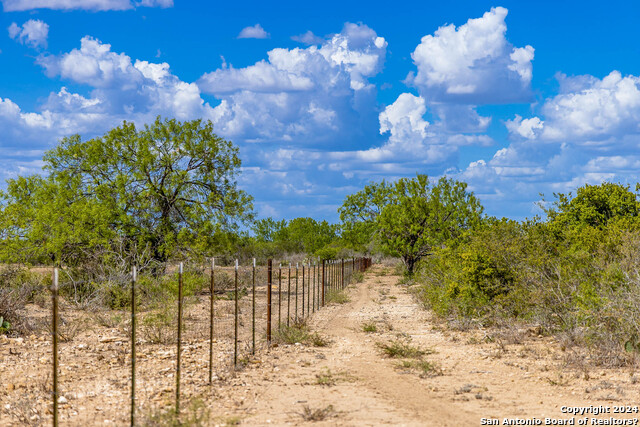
(334, 296)
(582, 282)
(299, 332)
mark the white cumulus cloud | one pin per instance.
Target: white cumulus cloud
(34, 33)
(126, 87)
(93, 5)
(301, 95)
(588, 110)
(254, 32)
(473, 63)
(308, 38)
(587, 133)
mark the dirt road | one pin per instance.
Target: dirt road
(440, 377)
(352, 382)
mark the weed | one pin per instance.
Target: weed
(299, 332)
(370, 327)
(319, 414)
(71, 329)
(159, 327)
(336, 297)
(424, 368)
(109, 320)
(325, 378)
(399, 349)
(559, 380)
(194, 415)
(357, 277)
(318, 340)
(13, 319)
(229, 421)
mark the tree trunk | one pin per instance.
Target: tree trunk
(410, 263)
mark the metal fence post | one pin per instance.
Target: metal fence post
(54, 327)
(308, 287)
(253, 308)
(296, 306)
(269, 274)
(211, 317)
(303, 289)
(133, 345)
(313, 304)
(289, 296)
(323, 283)
(279, 295)
(235, 324)
(179, 339)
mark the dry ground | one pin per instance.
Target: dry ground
(460, 378)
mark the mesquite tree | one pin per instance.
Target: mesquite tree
(162, 189)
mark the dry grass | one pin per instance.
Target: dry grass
(319, 414)
(299, 332)
(369, 327)
(401, 349)
(336, 297)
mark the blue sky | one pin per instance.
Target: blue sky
(515, 98)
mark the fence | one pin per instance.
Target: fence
(246, 304)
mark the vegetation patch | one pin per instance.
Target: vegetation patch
(402, 349)
(328, 378)
(334, 296)
(196, 414)
(298, 332)
(369, 327)
(574, 275)
(319, 414)
(424, 368)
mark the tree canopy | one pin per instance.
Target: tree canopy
(410, 217)
(359, 214)
(299, 235)
(165, 188)
(594, 206)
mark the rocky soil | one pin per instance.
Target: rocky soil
(440, 377)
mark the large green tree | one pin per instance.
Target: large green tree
(594, 206)
(411, 216)
(359, 214)
(168, 187)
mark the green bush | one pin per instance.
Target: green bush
(583, 282)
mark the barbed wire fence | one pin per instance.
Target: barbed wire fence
(245, 302)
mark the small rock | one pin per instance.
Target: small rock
(62, 400)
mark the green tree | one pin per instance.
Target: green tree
(594, 206)
(420, 217)
(165, 188)
(359, 214)
(268, 229)
(307, 235)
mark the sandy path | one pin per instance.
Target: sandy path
(479, 380)
(480, 374)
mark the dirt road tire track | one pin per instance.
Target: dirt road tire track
(480, 379)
